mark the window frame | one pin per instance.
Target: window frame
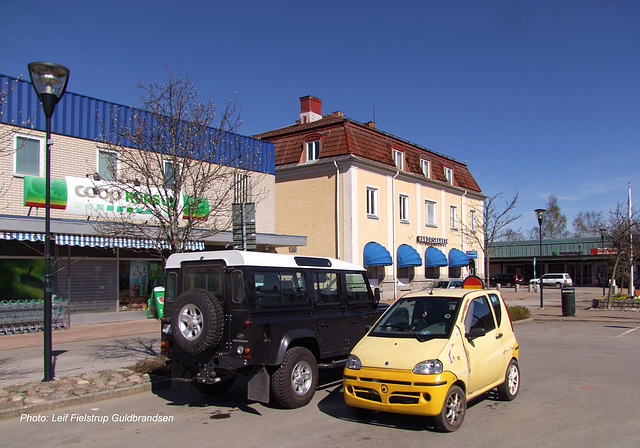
(312, 149)
(453, 217)
(113, 175)
(473, 224)
(448, 174)
(398, 158)
(16, 150)
(167, 184)
(372, 202)
(425, 166)
(427, 223)
(403, 208)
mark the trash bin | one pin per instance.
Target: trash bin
(568, 301)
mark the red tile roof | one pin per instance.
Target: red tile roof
(342, 136)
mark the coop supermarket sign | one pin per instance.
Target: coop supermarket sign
(86, 197)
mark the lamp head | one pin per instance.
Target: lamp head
(50, 82)
(540, 214)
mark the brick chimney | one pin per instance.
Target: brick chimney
(310, 109)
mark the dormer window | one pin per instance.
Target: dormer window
(425, 165)
(313, 150)
(398, 159)
(448, 175)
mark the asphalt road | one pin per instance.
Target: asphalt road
(578, 389)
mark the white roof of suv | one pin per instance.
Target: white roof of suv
(244, 258)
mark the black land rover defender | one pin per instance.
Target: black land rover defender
(277, 318)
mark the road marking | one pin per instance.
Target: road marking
(627, 332)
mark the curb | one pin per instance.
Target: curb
(88, 398)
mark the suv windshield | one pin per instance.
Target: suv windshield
(421, 317)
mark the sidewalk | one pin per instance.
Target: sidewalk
(93, 358)
(552, 301)
(82, 333)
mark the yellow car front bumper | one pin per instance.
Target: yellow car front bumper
(397, 391)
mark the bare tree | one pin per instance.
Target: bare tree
(496, 219)
(588, 224)
(6, 132)
(513, 235)
(177, 162)
(619, 231)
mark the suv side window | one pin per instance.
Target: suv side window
(357, 291)
(325, 285)
(479, 315)
(279, 288)
(171, 287)
(237, 287)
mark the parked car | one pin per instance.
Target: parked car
(556, 280)
(448, 284)
(431, 352)
(505, 279)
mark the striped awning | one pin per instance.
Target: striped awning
(130, 243)
(22, 236)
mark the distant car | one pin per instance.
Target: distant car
(505, 279)
(556, 280)
(448, 284)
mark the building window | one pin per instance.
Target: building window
(313, 150)
(453, 217)
(425, 165)
(448, 175)
(473, 223)
(372, 202)
(432, 272)
(406, 275)
(107, 165)
(404, 208)
(431, 214)
(398, 159)
(171, 174)
(376, 275)
(27, 156)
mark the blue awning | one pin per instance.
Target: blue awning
(375, 254)
(433, 258)
(457, 258)
(408, 256)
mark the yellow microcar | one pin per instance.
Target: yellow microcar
(431, 352)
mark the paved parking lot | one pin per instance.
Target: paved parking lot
(578, 383)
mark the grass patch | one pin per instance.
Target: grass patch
(518, 312)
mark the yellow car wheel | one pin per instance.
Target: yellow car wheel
(453, 410)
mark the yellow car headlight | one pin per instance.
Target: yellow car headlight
(430, 367)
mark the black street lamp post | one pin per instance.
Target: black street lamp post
(50, 82)
(540, 214)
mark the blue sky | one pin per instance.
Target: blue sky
(538, 97)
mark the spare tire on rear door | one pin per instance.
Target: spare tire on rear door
(197, 321)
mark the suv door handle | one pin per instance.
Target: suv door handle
(499, 335)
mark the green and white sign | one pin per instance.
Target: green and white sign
(86, 197)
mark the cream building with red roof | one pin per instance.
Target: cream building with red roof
(403, 211)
